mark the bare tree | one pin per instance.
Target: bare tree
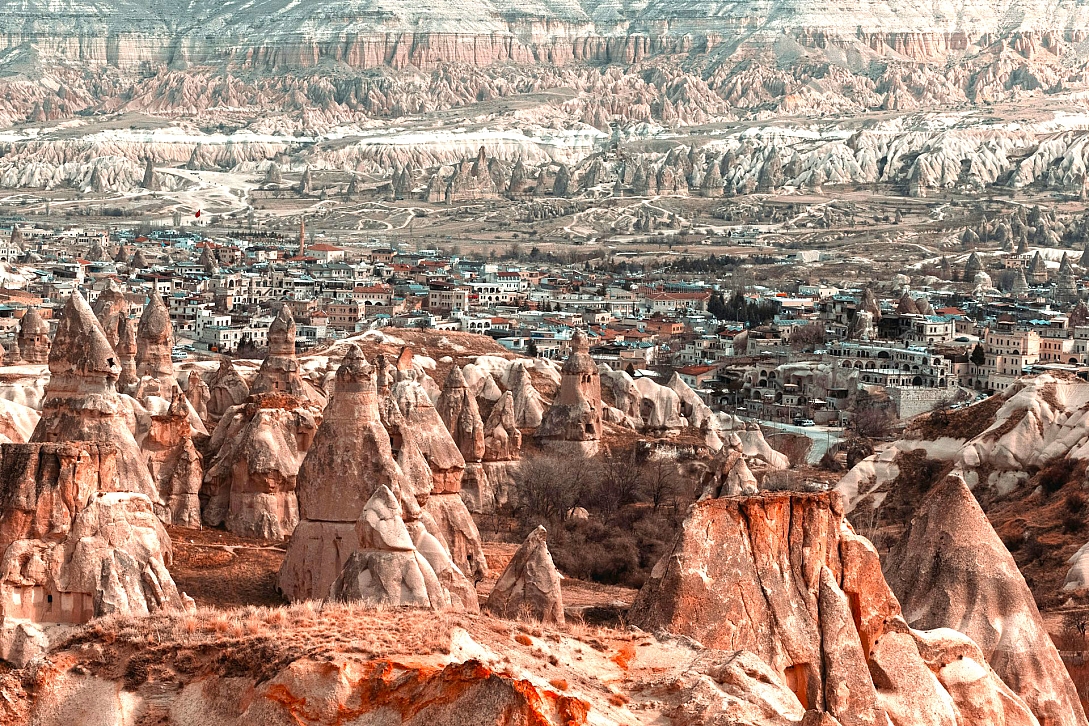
(873, 422)
(618, 482)
(549, 487)
(660, 480)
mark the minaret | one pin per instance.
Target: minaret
(302, 236)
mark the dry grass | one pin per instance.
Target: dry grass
(965, 423)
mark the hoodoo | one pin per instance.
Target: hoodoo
(154, 347)
(951, 570)
(279, 371)
(81, 401)
(33, 338)
(574, 418)
(349, 459)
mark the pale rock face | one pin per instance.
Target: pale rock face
(279, 371)
(33, 338)
(458, 410)
(227, 389)
(448, 519)
(951, 570)
(386, 570)
(154, 347)
(697, 413)
(783, 577)
(530, 584)
(575, 413)
(81, 402)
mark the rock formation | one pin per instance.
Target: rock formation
(530, 585)
(434, 466)
(154, 348)
(951, 570)
(151, 181)
(574, 418)
(429, 435)
(198, 394)
(250, 482)
(349, 459)
(502, 439)
(502, 448)
(458, 410)
(729, 474)
(175, 464)
(279, 371)
(783, 577)
(127, 380)
(111, 307)
(227, 389)
(72, 549)
(33, 338)
(386, 570)
(81, 401)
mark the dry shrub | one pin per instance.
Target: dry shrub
(1057, 474)
(558, 683)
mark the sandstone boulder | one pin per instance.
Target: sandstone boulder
(530, 585)
(951, 570)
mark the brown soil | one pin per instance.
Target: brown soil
(218, 569)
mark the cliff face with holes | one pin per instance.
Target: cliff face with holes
(782, 576)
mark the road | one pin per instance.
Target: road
(823, 437)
